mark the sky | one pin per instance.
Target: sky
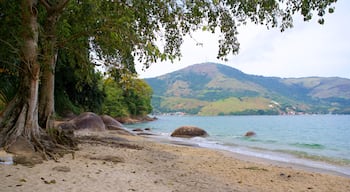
(307, 49)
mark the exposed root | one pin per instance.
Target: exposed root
(108, 141)
(45, 146)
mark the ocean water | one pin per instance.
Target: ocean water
(319, 141)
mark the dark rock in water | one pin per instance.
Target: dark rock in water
(111, 123)
(89, 121)
(137, 130)
(147, 129)
(250, 134)
(189, 131)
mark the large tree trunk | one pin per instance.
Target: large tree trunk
(50, 51)
(46, 102)
(20, 118)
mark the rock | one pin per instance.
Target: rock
(147, 129)
(111, 123)
(189, 131)
(135, 119)
(250, 134)
(89, 121)
(67, 126)
(21, 146)
(24, 152)
(137, 130)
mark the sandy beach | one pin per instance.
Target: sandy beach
(111, 162)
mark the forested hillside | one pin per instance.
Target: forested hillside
(215, 89)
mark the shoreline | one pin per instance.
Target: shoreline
(132, 163)
(266, 157)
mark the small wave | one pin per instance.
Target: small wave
(254, 139)
(309, 145)
(319, 158)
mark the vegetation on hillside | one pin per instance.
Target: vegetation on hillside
(227, 91)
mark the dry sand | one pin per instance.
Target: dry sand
(143, 165)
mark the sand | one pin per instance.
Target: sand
(132, 163)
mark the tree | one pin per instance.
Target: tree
(75, 90)
(117, 32)
(20, 117)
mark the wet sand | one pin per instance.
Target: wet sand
(129, 163)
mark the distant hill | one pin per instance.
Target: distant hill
(216, 89)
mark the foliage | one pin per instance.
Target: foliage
(121, 100)
(114, 104)
(9, 51)
(76, 89)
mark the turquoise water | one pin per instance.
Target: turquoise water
(314, 140)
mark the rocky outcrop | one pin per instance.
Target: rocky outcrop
(135, 119)
(111, 123)
(189, 131)
(92, 122)
(89, 121)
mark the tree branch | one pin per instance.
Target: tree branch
(46, 5)
(61, 6)
(54, 9)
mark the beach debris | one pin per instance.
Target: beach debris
(108, 141)
(61, 168)
(109, 158)
(53, 181)
(5, 158)
(254, 168)
(189, 131)
(249, 134)
(284, 175)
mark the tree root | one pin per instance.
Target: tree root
(109, 141)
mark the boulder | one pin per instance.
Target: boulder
(88, 121)
(250, 134)
(189, 131)
(24, 152)
(111, 123)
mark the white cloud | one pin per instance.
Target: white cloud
(308, 49)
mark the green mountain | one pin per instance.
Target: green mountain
(216, 89)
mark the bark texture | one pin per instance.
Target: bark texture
(20, 116)
(19, 121)
(50, 51)
(46, 102)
